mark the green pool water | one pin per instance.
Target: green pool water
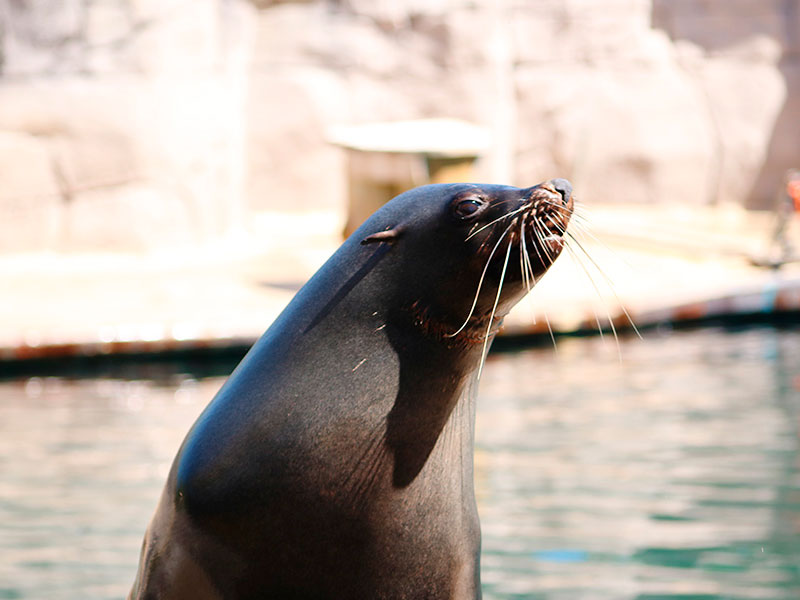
(671, 473)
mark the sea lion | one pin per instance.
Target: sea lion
(336, 461)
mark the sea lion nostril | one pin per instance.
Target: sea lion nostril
(563, 187)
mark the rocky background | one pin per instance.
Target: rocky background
(132, 125)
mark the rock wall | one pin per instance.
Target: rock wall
(122, 121)
(745, 57)
(136, 124)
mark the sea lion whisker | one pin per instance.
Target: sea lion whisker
(523, 251)
(576, 260)
(552, 203)
(582, 222)
(556, 207)
(555, 224)
(579, 211)
(608, 282)
(537, 227)
(531, 276)
(484, 244)
(494, 309)
(584, 228)
(502, 202)
(554, 227)
(581, 231)
(585, 222)
(488, 239)
(550, 261)
(490, 223)
(550, 331)
(472, 230)
(528, 267)
(576, 226)
(536, 242)
(480, 284)
(560, 229)
(520, 222)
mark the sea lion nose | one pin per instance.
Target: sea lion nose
(563, 187)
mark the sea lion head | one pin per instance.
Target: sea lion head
(464, 254)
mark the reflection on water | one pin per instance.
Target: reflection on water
(82, 464)
(674, 474)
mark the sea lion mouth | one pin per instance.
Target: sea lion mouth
(551, 206)
(542, 218)
(547, 223)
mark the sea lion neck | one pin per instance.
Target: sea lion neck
(435, 375)
(452, 332)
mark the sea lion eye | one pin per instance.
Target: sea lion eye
(468, 207)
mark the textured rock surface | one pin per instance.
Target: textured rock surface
(746, 60)
(139, 107)
(136, 124)
(32, 207)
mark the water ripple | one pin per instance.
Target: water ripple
(674, 474)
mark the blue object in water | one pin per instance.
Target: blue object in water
(562, 556)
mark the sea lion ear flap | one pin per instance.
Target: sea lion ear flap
(389, 235)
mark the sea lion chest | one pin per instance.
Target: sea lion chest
(356, 477)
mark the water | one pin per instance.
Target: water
(674, 474)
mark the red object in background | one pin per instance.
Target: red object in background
(793, 189)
